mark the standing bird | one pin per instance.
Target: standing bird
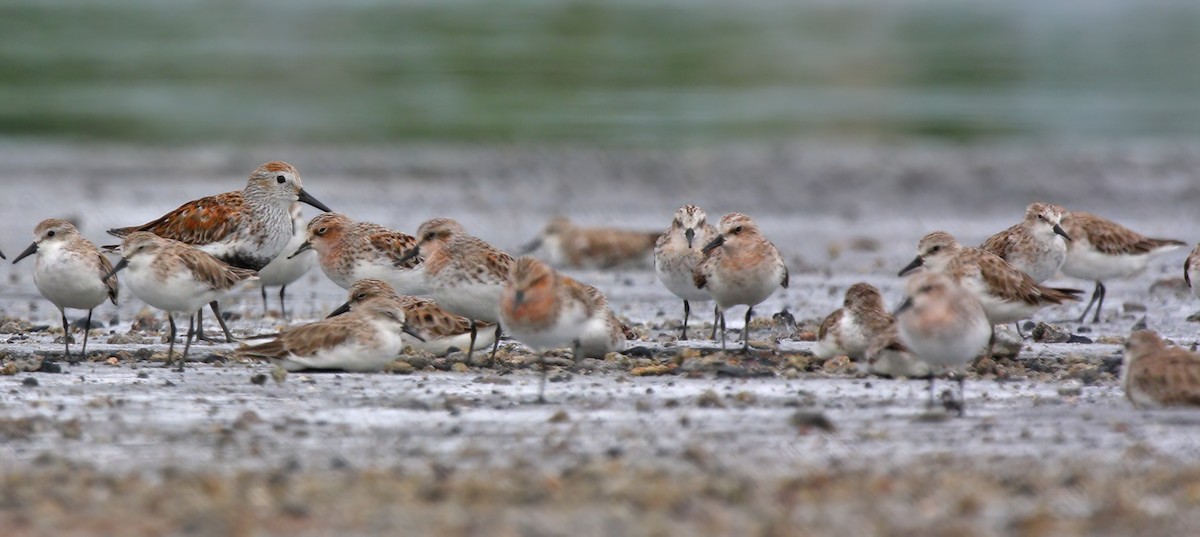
(545, 310)
(1007, 293)
(440, 331)
(464, 275)
(577, 247)
(676, 255)
(1155, 375)
(1037, 245)
(70, 272)
(366, 339)
(286, 268)
(1101, 249)
(850, 329)
(176, 278)
(246, 228)
(350, 251)
(740, 266)
(943, 324)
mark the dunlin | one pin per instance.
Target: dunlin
(545, 310)
(440, 330)
(70, 272)
(567, 245)
(1037, 245)
(286, 268)
(1101, 249)
(176, 278)
(1157, 375)
(943, 324)
(850, 329)
(350, 251)
(1007, 293)
(464, 274)
(246, 228)
(366, 339)
(740, 267)
(677, 254)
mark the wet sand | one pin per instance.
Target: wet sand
(780, 443)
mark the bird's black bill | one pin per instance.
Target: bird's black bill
(690, 235)
(412, 332)
(713, 245)
(414, 252)
(120, 266)
(307, 198)
(28, 252)
(1058, 229)
(344, 308)
(903, 306)
(531, 246)
(912, 266)
(303, 247)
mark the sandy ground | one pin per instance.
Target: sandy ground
(778, 444)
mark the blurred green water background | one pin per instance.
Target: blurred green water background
(620, 72)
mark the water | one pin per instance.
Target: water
(598, 71)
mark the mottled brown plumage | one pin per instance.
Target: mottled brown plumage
(568, 245)
(1157, 375)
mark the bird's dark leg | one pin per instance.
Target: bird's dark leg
(266, 308)
(1095, 295)
(746, 330)
(471, 345)
(716, 315)
(66, 335)
(221, 321)
(541, 398)
(187, 343)
(87, 327)
(962, 394)
(687, 310)
(171, 346)
(931, 398)
(495, 344)
(283, 302)
(722, 330)
(1100, 304)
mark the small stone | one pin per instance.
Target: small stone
(709, 399)
(279, 374)
(29, 382)
(1133, 307)
(113, 360)
(807, 420)
(258, 379)
(839, 365)
(400, 367)
(1048, 333)
(653, 370)
(560, 417)
(460, 367)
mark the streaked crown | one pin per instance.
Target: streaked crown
(54, 229)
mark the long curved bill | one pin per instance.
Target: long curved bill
(28, 252)
(305, 197)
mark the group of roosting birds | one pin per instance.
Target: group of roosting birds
(444, 289)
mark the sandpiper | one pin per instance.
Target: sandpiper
(176, 278)
(677, 254)
(850, 329)
(246, 228)
(1156, 375)
(440, 330)
(350, 251)
(70, 272)
(740, 267)
(285, 269)
(1037, 245)
(568, 245)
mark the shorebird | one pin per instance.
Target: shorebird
(350, 251)
(943, 324)
(440, 331)
(850, 329)
(285, 269)
(365, 339)
(567, 245)
(176, 278)
(1156, 375)
(464, 274)
(1037, 245)
(245, 228)
(1101, 249)
(546, 310)
(677, 254)
(70, 272)
(740, 266)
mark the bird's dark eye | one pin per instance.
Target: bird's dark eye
(50, 234)
(925, 289)
(737, 230)
(322, 231)
(429, 236)
(280, 179)
(935, 249)
(362, 296)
